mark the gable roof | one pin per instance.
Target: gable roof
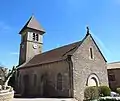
(57, 54)
(53, 55)
(33, 24)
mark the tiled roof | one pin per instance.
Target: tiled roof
(33, 24)
(53, 55)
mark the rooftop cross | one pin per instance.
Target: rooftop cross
(87, 29)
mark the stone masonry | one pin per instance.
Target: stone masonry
(83, 66)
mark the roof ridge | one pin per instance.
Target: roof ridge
(59, 47)
(71, 49)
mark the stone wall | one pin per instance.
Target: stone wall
(7, 96)
(83, 66)
(48, 71)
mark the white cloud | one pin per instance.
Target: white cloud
(14, 53)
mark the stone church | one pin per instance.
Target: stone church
(62, 72)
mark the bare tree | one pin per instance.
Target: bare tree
(7, 76)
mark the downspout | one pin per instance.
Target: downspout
(69, 61)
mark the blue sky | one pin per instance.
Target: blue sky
(64, 22)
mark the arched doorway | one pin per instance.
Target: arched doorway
(93, 80)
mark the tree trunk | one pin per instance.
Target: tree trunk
(6, 82)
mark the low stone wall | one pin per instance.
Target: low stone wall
(7, 96)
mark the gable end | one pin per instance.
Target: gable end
(95, 45)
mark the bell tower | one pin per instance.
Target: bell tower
(31, 40)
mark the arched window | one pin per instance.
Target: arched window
(26, 81)
(37, 37)
(19, 81)
(59, 81)
(35, 79)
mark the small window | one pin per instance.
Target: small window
(91, 53)
(111, 77)
(59, 81)
(37, 37)
(33, 36)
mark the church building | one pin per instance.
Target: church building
(62, 72)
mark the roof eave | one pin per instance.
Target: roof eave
(30, 66)
(43, 31)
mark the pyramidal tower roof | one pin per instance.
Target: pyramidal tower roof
(33, 24)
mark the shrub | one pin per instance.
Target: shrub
(104, 91)
(107, 100)
(118, 90)
(91, 93)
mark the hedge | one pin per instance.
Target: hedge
(94, 92)
(104, 91)
(118, 90)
